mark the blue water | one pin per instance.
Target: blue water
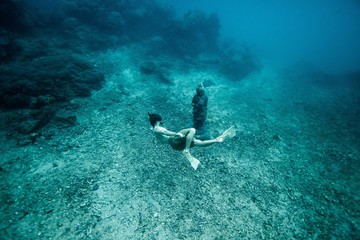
(325, 33)
(78, 157)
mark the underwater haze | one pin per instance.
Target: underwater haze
(325, 34)
(164, 119)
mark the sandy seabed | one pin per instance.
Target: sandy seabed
(292, 171)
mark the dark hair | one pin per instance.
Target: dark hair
(153, 118)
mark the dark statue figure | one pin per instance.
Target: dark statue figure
(199, 103)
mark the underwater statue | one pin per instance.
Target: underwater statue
(199, 103)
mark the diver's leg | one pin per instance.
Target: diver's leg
(229, 133)
(189, 139)
(185, 131)
(205, 143)
(193, 161)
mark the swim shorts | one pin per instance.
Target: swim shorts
(179, 143)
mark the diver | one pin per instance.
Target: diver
(185, 139)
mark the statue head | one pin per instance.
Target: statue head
(200, 90)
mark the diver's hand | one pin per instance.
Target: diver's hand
(179, 134)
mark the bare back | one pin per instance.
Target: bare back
(159, 133)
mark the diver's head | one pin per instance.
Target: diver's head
(153, 118)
